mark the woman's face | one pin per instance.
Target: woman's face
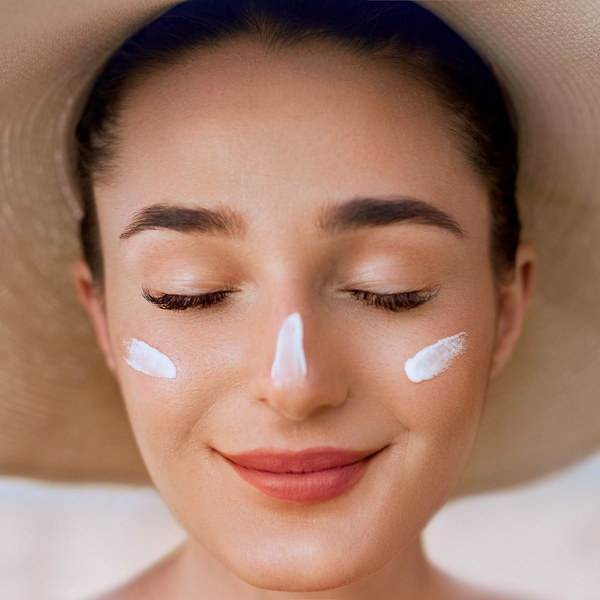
(277, 141)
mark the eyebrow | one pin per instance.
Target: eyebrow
(333, 218)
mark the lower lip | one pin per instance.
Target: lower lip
(305, 487)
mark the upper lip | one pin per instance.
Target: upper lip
(305, 461)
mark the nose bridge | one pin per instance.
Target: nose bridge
(294, 376)
(289, 364)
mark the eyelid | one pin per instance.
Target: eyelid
(391, 290)
(399, 302)
(183, 301)
(188, 288)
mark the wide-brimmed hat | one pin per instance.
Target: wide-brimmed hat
(61, 413)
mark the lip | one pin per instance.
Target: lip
(310, 475)
(304, 461)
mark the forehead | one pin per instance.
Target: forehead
(259, 130)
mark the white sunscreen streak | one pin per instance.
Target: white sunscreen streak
(435, 359)
(289, 362)
(149, 360)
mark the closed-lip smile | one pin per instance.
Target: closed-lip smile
(311, 475)
(305, 461)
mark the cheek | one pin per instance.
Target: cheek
(433, 380)
(146, 359)
(170, 382)
(431, 361)
(157, 395)
(435, 422)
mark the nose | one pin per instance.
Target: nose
(302, 377)
(290, 362)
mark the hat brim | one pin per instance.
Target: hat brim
(61, 409)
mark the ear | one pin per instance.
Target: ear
(89, 297)
(514, 302)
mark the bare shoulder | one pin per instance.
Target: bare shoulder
(139, 588)
(130, 591)
(487, 594)
(511, 597)
(490, 594)
(458, 589)
(151, 584)
(480, 593)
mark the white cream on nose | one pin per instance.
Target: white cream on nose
(289, 363)
(435, 359)
(146, 359)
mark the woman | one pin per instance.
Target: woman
(304, 266)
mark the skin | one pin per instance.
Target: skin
(269, 142)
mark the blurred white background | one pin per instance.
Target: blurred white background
(70, 543)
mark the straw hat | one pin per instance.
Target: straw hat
(62, 415)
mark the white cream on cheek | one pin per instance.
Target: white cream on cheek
(143, 357)
(435, 359)
(289, 362)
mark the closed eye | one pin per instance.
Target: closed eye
(183, 302)
(395, 302)
(402, 301)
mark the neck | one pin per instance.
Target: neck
(193, 573)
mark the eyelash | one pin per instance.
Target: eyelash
(392, 302)
(395, 302)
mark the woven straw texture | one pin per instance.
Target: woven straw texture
(61, 411)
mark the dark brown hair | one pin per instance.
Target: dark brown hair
(481, 117)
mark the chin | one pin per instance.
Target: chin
(300, 570)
